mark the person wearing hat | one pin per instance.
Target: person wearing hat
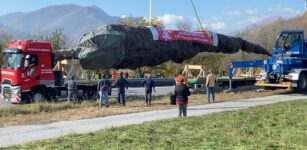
(72, 89)
(182, 92)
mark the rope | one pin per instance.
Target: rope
(196, 14)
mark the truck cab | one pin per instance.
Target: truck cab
(26, 71)
(291, 42)
(287, 67)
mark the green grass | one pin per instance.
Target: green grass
(276, 126)
(35, 108)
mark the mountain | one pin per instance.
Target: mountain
(74, 19)
(9, 31)
(266, 35)
(264, 22)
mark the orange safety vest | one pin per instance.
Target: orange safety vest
(114, 74)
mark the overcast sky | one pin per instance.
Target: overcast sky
(223, 16)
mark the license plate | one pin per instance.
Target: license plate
(7, 95)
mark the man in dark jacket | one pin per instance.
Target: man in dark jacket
(103, 88)
(122, 84)
(149, 85)
(72, 89)
(182, 92)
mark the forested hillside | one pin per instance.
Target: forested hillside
(266, 35)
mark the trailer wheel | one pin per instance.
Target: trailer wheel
(302, 83)
(37, 96)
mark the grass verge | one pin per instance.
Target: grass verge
(51, 112)
(276, 126)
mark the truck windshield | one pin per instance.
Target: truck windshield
(12, 60)
(287, 40)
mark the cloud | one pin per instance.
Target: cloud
(251, 11)
(123, 16)
(171, 19)
(215, 26)
(284, 9)
(233, 13)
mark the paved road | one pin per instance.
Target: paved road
(20, 134)
(164, 90)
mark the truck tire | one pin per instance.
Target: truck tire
(302, 83)
(37, 96)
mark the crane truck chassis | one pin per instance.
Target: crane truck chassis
(287, 68)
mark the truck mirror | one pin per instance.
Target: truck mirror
(28, 56)
(26, 64)
(27, 61)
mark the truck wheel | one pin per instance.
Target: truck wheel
(302, 83)
(37, 97)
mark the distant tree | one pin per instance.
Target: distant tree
(40, 34)
(4, 42)
(132, 21)
(139, 22)
(57, 38)
(184, 25)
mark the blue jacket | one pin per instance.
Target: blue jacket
(121, 83)
(149, 84)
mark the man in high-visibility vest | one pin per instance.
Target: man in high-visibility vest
(114, 74)
(97, 75)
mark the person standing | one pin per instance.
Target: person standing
(179, 76)
(182, 92)
(114, 75)
(72, 89)
(122, 84)
(103, 88)
(126, 75)
(149, 86)
(210, 84)
(97, 75)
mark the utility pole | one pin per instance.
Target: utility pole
(149, 18)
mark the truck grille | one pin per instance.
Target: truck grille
(6, 81)
(7, 92)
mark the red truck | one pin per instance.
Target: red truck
(27, 74)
